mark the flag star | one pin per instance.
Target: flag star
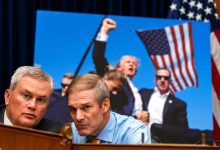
(210, 1)
(214, 5)
(199, 6)
(198, 17)
(190, 15)
(216, 16)
(192, 3)
(184, 1)
(182, 10)
(173, 6)
(208, 10)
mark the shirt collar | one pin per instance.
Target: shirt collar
(6, 120)
(107, 133)
(156, 90)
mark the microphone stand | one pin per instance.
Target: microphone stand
(88, 48)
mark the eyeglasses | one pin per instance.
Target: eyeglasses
(64, 85)
(158, 77)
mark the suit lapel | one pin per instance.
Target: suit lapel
(130, 95)
(147, 99)
(2, 111)
(168, 104)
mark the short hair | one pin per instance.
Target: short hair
(90, 82)
(130, 56)
(163, 68)
(30, 71)
(69, 76)
(114, 74)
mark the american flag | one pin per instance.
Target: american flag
(215, 59)
(199, 10)
(172, 47)
(204, 10)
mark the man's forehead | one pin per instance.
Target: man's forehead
(37, 86)
(128, 58)
(163, 72)
(81, 102)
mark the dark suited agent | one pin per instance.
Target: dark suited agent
(57, 109)
(167, 114)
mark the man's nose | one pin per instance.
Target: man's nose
(32, 104)
(79, 115)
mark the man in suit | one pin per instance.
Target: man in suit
(127, 101)
(57, 109)
(167, 114)
(66, 81)
(27, 99)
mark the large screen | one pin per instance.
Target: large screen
(62, 39)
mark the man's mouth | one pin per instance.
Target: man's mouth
(130, 69)
(30, 116)
(81, 127)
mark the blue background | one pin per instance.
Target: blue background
(62, 38)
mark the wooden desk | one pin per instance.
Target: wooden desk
(142, 147)
(18, 138)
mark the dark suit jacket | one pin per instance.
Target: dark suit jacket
(58, 108)
(123, 102)
(46, 125)
(175, 125)
(174, 118)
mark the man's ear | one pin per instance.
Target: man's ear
(7, 96)
(106, 105)
(119, 68)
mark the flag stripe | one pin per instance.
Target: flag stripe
(216, 131)
(216, 116)
(192, 55)
(175, 34)
(172, 57)
(185, 63)
(215, 79)
(154, 60)
(216, 106)
(215, 61)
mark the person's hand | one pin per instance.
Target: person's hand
(107, 25)
(143, 116)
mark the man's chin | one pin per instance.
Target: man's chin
(83, 133)
(28, 123)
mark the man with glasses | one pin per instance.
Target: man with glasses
(167, 114)
(57, 109)
(67, 79)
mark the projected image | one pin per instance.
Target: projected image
(62, 40)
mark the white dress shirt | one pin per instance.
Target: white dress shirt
(156, 106)
(138, 104)
(102, 37)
